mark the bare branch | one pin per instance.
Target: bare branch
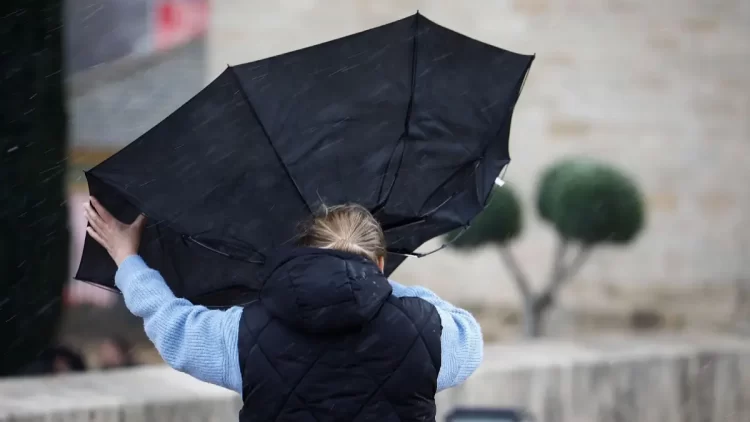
(522, 282)
(583, 254)
(563, 273)
(557, 264)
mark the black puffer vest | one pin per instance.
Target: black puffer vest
(327, 341)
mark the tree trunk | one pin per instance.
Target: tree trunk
(532, 319)
(33, 217)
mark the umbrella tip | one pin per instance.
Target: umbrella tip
(499, 182)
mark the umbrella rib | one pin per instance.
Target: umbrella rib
(508, 120)
(171, 260)
(438, 249)
(268, 138)
(407, 119)
(414, 47)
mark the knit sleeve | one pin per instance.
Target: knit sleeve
(461, 342)
(192, 339)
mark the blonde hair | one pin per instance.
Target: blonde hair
(348, 228)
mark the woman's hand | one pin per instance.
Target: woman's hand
(119, 239)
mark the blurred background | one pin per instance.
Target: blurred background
(657, 89)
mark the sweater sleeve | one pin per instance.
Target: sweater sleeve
(461, 342)
(193, 339)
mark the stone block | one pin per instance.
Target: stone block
(569, 129)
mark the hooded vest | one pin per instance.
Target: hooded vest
(326, 341)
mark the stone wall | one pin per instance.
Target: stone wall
(615, 379)
(659, 379)
(658, 88)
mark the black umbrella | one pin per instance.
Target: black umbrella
(409, 119)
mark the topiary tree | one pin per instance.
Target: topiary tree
(499, 223)
(588, 203)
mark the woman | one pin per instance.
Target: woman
(330, 338)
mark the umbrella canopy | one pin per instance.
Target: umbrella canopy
(409, 119)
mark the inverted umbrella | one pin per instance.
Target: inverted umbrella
(409, 119)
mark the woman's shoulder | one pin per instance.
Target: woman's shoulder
(415, 302)
(400, 290)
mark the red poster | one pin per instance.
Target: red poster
(179, 21)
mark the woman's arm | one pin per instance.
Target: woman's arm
(461, 342)
(191, 339)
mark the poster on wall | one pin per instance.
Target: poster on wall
(177, 22)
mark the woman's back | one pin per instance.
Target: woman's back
(328, 341)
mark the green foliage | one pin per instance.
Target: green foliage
(548, 188)
(587, 202)
(500, 222)
(590, 202)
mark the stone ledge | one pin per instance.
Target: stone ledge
(146, 394)
(607, 379)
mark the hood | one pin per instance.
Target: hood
(323, 291)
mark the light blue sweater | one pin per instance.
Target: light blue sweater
(202, 342)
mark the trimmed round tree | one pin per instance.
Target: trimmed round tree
(588, 203)
(499, 223)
